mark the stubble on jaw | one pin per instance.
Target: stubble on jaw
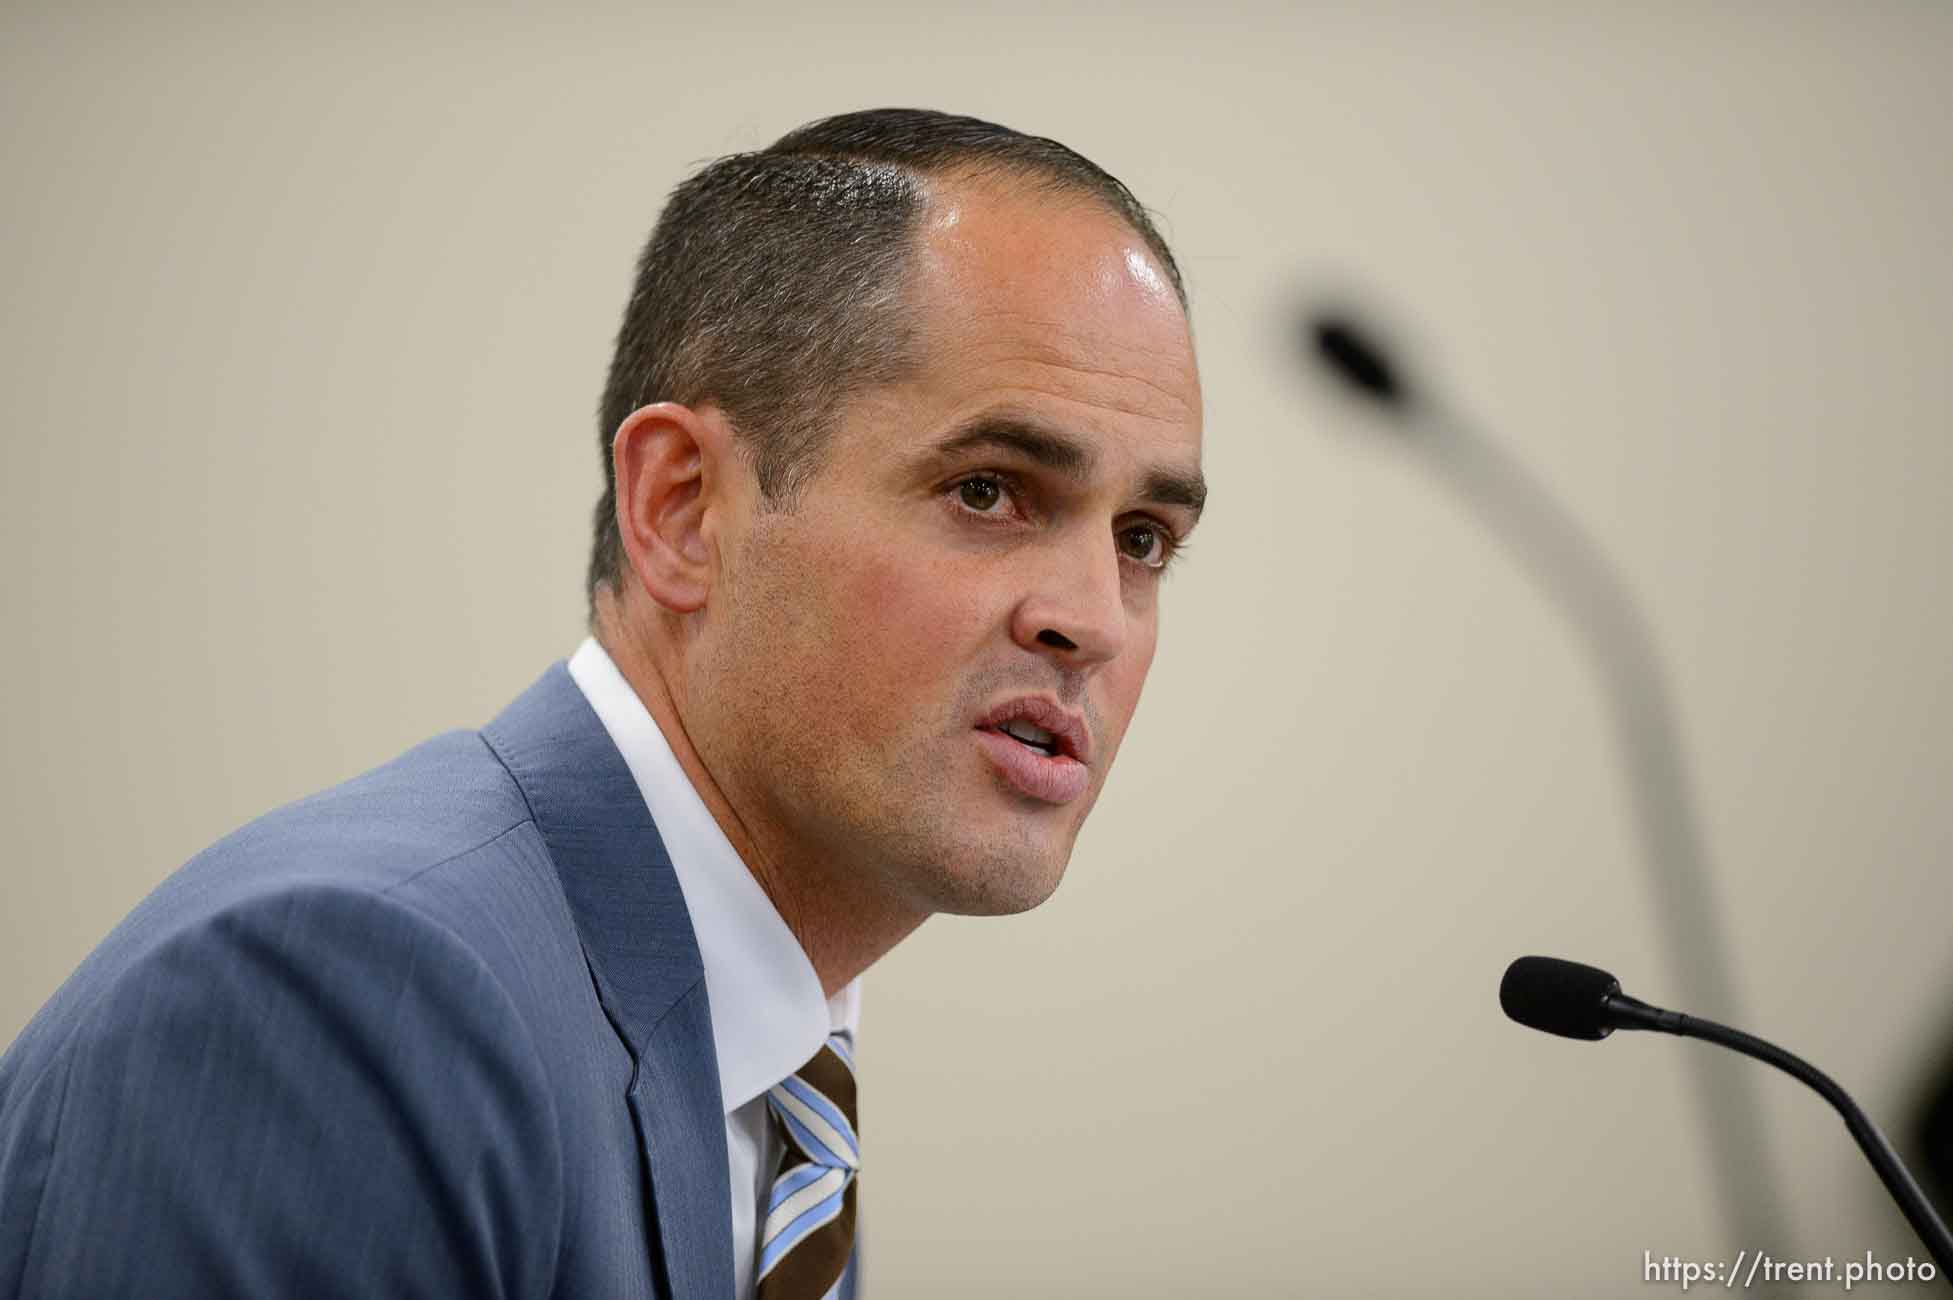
(890, 828)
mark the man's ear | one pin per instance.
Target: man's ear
(674, 467)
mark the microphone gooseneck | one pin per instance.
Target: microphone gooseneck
(1575, 575)
(1576, 1001)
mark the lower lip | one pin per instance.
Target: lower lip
(1058, 779)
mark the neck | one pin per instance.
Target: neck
(840, 920)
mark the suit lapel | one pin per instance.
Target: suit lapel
(643, 958)
(692, 1197)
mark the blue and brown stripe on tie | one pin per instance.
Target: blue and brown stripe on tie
(809, 1227)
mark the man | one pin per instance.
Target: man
(902, 430)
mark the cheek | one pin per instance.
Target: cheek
(891, 624)
(906, 613)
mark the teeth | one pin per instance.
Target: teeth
(1027, 733)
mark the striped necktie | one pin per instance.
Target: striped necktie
(810, 1214)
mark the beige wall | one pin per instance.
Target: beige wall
(302, 320)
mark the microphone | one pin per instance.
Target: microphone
(1559, 997)
(1576, 1001)
(1358, 361)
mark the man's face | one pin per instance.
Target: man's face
(980, 548)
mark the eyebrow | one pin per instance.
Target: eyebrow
(1063, 454)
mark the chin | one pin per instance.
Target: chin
(997, 886)
(991, 853)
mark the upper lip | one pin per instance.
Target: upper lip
(1073, 739)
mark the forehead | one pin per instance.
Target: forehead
(1052, 309)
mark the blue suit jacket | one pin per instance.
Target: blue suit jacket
(439, 1031)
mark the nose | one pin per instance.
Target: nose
(1075, 611)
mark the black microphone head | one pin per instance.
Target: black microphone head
(1560, 997)
(1358, 360)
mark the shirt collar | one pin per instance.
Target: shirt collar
(769, 1016)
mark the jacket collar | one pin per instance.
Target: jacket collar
(629, 910)
(643, 959)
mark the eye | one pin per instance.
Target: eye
(1147, 543)
(980, 492)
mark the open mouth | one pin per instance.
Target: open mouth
(1035, 739)
(1046, 765)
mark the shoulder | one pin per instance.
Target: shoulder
(447, 805)
(294, 1036)
(309, 968)
(432, 858)
(438, 802)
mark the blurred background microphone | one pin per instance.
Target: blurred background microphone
(1573, 573)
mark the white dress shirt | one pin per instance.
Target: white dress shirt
(769, 1016)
